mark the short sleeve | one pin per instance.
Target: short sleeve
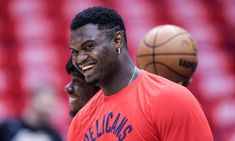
(178, 116)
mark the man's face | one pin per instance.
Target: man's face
(92, 53)
(79, 92)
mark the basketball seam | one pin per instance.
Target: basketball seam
(166, 67)
(186, 54)
(153, 53)
(157, 46)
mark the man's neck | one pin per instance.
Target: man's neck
(126, 73)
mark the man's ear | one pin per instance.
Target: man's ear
(118, 39)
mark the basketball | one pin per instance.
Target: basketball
(169, 51)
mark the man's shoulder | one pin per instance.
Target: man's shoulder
(156, 86)
(154, 77)
(154, 82)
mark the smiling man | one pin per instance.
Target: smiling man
(78, 91)
(133, 105)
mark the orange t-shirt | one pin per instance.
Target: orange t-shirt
(151, 108)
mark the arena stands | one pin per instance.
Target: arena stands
(34, 47)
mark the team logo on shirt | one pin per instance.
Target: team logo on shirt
(109, 124)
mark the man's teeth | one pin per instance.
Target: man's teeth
(72, 100)
(87, 67)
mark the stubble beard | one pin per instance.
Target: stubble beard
(92, 82)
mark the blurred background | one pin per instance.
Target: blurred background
(34, 48)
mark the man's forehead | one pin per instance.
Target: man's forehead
(87, 31)
(84, 33)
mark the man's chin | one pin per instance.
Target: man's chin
(92, 82)
(72, 113)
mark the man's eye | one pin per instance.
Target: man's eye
(88, 47)
(74, 52)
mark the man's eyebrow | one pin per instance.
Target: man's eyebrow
(87, 41)
(72, 47)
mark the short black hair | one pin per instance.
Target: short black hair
(71, 69)
(106, 18)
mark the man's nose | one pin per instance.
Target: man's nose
(69, 88)
(81, 57)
